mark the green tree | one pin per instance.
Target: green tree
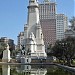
(49, 50)
(58, 50)
(2, 48)
(69, 48)
(72, 21)
(65, 49)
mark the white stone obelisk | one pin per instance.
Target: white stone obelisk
(6, 55)
(33, 36)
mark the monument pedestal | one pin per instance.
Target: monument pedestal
(25, 59)
(39, 55)
(6, 55)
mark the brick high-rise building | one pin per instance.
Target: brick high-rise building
(47, 12)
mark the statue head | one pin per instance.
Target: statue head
(7, 47)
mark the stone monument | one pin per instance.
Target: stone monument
(6, 55)
(33, 36)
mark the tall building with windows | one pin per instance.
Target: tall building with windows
(61, 26)
(47, 12)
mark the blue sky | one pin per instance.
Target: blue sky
(13, 15)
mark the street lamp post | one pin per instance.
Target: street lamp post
(63, 47)
(63, 53)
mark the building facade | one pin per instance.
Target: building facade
(20, 39)
(69, 33)
(47, 9)
(61, 26)
(47, 12)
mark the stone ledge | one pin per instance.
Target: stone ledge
(70, 69)
(4, 63)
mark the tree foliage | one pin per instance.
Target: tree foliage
(65, 49)
(72, 21)
(58, 50)
(2, 48)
